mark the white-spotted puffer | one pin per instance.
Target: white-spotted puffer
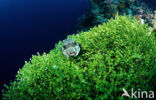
(70, 48)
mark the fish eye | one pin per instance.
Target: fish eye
(74, 43)
(65, 47)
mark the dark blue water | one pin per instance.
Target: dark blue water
(30, 26)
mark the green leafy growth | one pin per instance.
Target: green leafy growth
(115, 55)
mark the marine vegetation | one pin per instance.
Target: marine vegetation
(115, 55)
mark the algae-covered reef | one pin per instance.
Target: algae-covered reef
(115, 55)
(102, 10)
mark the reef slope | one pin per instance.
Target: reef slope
(115, 55)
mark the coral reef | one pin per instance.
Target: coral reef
(115, 55)
(101, 11)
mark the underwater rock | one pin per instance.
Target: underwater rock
(101, 11)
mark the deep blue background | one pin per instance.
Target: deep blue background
(31, 26)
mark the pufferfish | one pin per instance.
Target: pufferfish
(70, 48)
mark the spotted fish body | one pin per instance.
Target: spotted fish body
(70, 48)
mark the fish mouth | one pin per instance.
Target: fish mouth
(72, 53)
